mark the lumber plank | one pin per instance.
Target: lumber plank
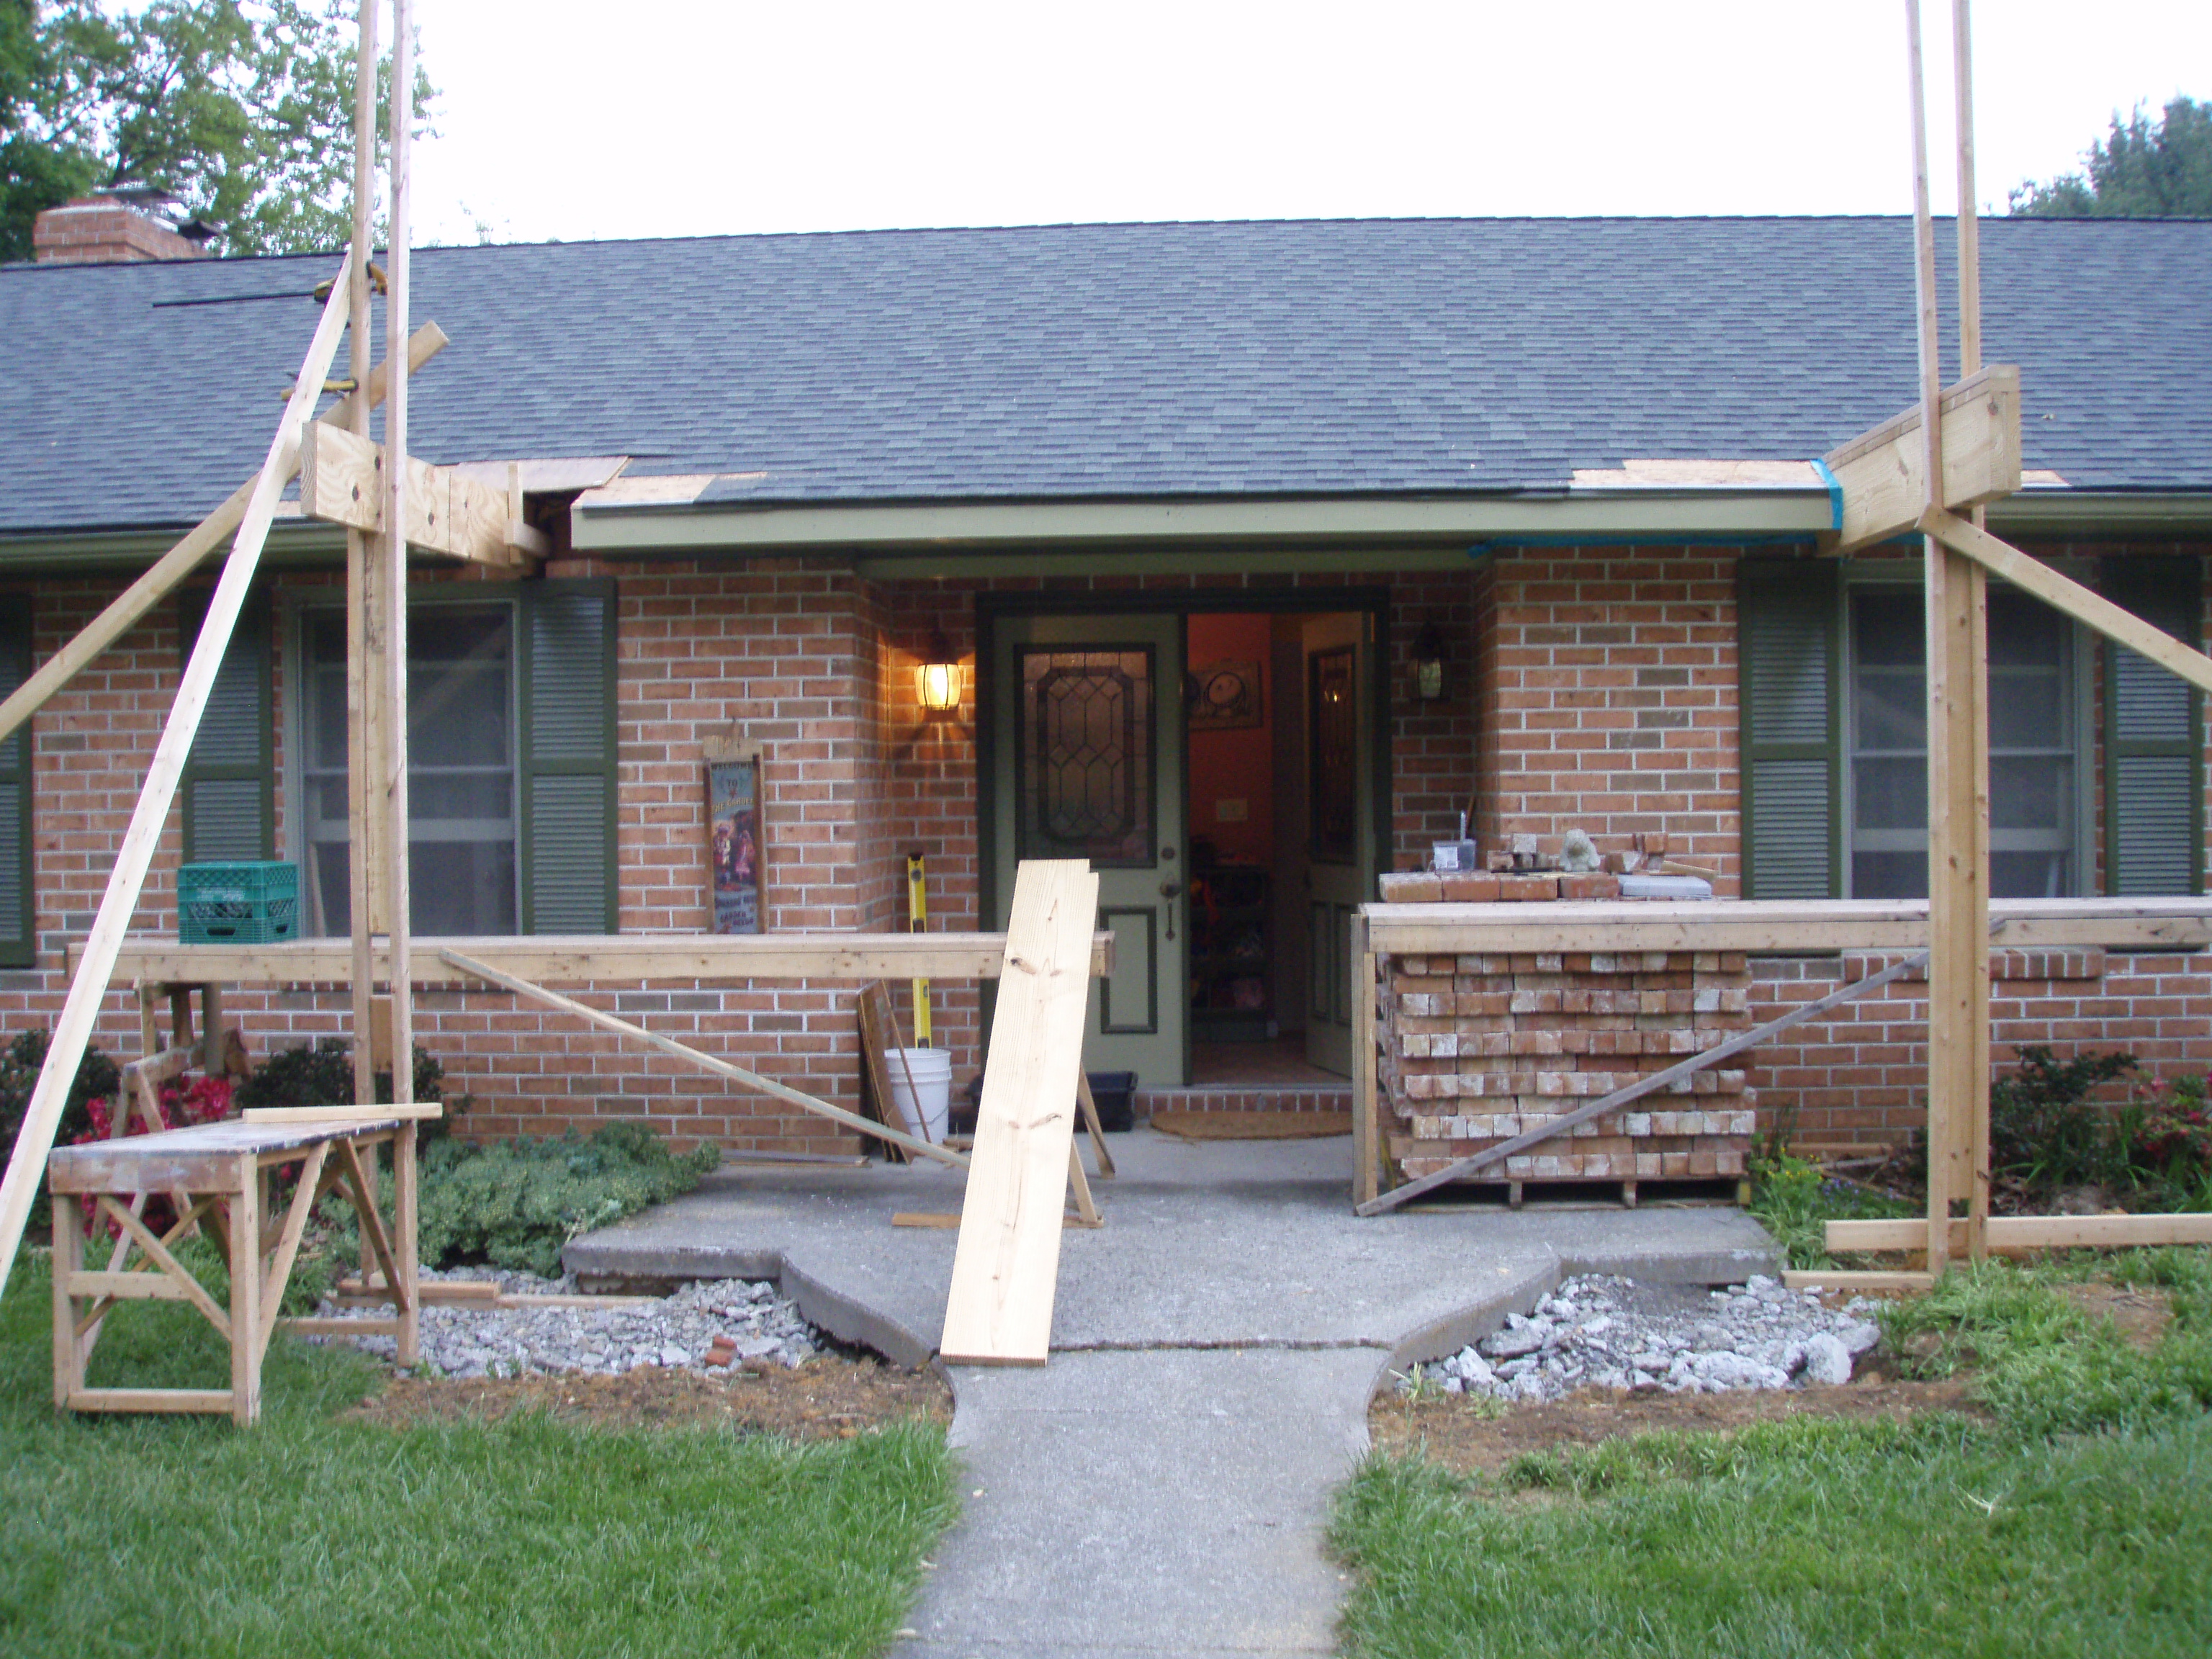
(1366, 1117)
(244, 1327)
(878, 1030)
(1837, 1281)
(1091, 1127)
(343, 1117)
(705, 1061)
(2020, 1233)
(69, 1344)
(189, 1288)
(570, 959)
(1883, 472)
(96, 969)
(942, 1219)
(279, 1271)
(341, 481)
(1775, 926)
(1006, 1264)
(150, 1399)
(127, 1286)
(1658, 1081)
(190, 551)
(329, 1325)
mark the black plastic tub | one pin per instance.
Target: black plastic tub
(1111, 1092)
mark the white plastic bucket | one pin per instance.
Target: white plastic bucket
(931, 1070)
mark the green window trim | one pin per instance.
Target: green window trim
(567, 656)
(18, 898)
(2153, 737)
(565, 744)
(228, 786)
(1790, 706)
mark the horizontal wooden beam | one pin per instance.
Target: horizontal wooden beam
(343, 1115)
(1882, 473)
(585, 959)
(2084, 604)
(1775, 926)
(341, 481)
(2028, 1232)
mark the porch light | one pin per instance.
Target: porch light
(937, 677)
(1429, 663)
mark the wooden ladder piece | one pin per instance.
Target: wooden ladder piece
(1006, 1265)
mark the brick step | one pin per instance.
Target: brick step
(1245, 1097)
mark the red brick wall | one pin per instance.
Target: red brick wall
(1595, 687)
(1607, 695)
(1860, 1074)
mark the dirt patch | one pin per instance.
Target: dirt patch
(1451, 1432)
(829, 1398)
(2141, 1316)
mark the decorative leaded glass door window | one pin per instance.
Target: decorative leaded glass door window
(1084, 755)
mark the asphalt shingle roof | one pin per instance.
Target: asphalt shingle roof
(1125, 360)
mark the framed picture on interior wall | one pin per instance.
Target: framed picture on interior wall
(1225, 695)
(735, 852)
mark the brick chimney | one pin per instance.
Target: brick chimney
(95, 230)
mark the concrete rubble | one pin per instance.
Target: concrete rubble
(710, 1326)
(1605, 1332)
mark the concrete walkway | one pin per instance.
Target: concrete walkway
(1162, 1485)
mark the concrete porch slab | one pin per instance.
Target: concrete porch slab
(1161, 1487)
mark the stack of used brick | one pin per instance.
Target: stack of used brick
(1478, 1049)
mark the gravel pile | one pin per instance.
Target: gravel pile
(1609, 1333)
(710, 1326)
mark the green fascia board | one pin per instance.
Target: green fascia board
(939, 527)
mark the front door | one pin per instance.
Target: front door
(1087, 736)
(1340, 836)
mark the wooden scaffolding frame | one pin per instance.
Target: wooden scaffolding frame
(1930, 469)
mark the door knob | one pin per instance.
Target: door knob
(1169, 888)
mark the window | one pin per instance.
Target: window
(1835, 744)
(2034, 733)
(462, 864)
(511, 782)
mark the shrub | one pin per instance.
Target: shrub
(321, 1074)
(19, 1065)
(514, 1203)
(2045, 1130)
(1795, 1199)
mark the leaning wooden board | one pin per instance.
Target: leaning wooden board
(1005, 1267)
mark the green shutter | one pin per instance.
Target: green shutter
(568, 757)
(18, 906)
(229, 783)
(1789, 621)
(2154, 738)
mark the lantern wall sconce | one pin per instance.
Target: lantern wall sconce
(937, 677)
(1429, 664)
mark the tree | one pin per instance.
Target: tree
(2145, 170)
(241, 109)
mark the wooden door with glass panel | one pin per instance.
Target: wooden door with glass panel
(1087, 740)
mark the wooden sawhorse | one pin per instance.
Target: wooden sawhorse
(221, 1174)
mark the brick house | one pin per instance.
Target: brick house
(1263, 551)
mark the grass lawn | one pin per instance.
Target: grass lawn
(2075, 1519)
(180, 1536)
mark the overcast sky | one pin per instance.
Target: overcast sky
(579, 119)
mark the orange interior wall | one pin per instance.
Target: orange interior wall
(1236, 764)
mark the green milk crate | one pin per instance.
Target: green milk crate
(238, 903)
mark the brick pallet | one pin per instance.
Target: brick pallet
(1477, 1049)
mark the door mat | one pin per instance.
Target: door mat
(1251, 1126)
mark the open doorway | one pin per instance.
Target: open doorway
(1281, 839)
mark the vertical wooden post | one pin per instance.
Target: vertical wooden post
(1974, 1139)
(408, 1304)
(68, 1263)
(1958, 761)
(246, 1293)
(363, 658)
(1366, 1125)
(394, 700)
